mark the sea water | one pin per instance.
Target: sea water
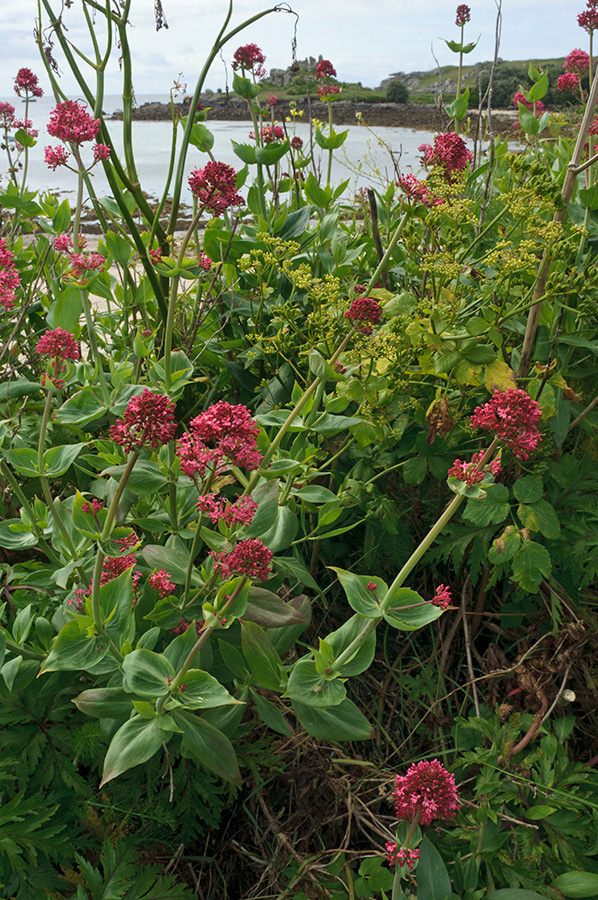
(369, 156)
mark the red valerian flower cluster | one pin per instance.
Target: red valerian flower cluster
(328, 91)
(442, 598)
(56, 156)
(28, 83)
(58, 344)
(325, 69)
(272, 101)
(568, 82)
(296, 143)
(9, 277)
(414, 189)
(84, 266)
(449, 153)
(363, 313)
(248, 57)
(100, 152)
(203, 261)
(588, 19)
(428, 789)
(250, 558)
(239, 512)
(161, 582)
(214, 187)
(577, 61)
(400, 856)
(148, 421)
(70, 122)
(512, 416)
(463, 15)
(224, 434)
(270, 133)
(62, 242)
(469, 471)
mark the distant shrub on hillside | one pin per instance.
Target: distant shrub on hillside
(397, 92)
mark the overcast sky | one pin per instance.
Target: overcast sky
(366, 40)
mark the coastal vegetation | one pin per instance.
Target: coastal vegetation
(298, 509)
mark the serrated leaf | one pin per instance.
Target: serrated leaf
(531, 565)
(491, 510)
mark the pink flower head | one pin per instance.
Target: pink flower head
(58, 344)
(414, 189)
(442, 597)
(62, 242)
(400, 856)
(568, 82)
(296, 143)
(248, 57)
(240, 512)
(214, 186)
(521, 98)
(70, 122)
(272, 101)
(155, 255)
(27, 82)
(85, 266)
(271, 133)
(223, 434)
(9, 277)
(577, 61)
(427, 789)
(94, 507)
(449, 153)
(113, 566)
(250, 558)
(588, 19)
(204, 262)
(325, 69)
(469, 471)
(161, 582)
(328, 91)
(7, 115)
(56, 156)
(463, 15)
(148, 421)
(100, 152)
(512, 416)
(363, 313)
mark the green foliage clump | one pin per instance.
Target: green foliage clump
(397, 92)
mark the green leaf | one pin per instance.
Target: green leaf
(57, 460)
(268, 610)
(296, 224)
(206, 744)
(309, 687)
(146, 477)
(271, 154)
(506, 546)
(458, 108)
(203, 691)
(201, 137)
(320, 197)
(538, 90)
(492, 510)
(135, 742)
(62, 217)
(541, 516)
(66, 310)
(81, 408)
(262, 658)
(245, 152)
(405, 610)
(577, 884)
(147, 673)
(266, 496)
(531, 565)
(270, 714)
(362, 600)
(15, 540)
(284, 530)
(363, 654)
(529, 123)
(74, 648)
(171, 560)
(433, 882)
(18, 387)
(104, 703)
(535, 813)
(514, 894)
(23, 459)
(245, 88)
(119, 247)
(528, 489)
(343, 722)
(415, 469)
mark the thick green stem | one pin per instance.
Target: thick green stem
(331, 151)
(96, 609)
(389, 250)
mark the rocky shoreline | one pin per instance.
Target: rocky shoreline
(420, 117)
